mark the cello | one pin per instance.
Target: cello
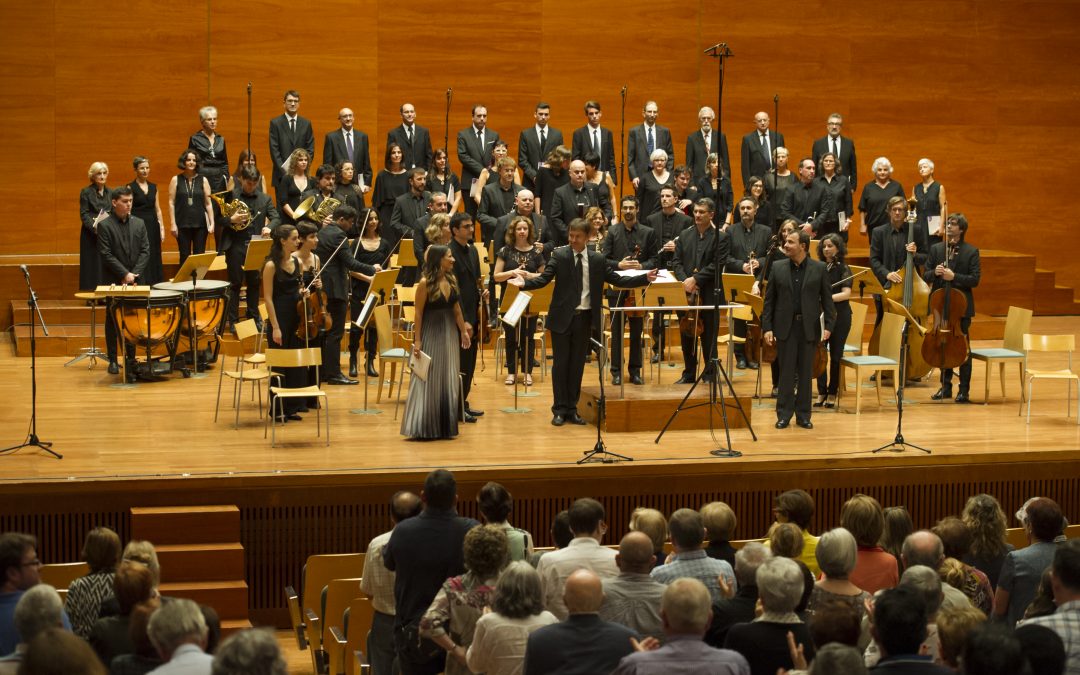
(946, 346)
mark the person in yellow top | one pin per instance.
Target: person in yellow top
(797, 507)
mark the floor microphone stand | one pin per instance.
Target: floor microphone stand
(898, 443)
(32, 439)
(600, 453)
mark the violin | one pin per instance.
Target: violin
(689, 325)
(314, 319)
(946, 346)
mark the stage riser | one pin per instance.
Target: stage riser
(650, 414)
(281, 524)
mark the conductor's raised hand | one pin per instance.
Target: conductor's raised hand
(516, 281)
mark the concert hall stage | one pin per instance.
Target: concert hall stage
(157, 444)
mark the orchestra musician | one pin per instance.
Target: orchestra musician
(776, 245)
(348, 144)
(534, 145)
(698, 250)
(467, 273)
(413, 139)
(325, 179)
(572, 200)
(282, 290)
(957, 261)
(668, 223)
(497, 197)
(291, 187)
(189, 206)
(746, 255)
(889, 247)
(125, 252)
(289, 132)
(832, 251)
(520, 257)
(261, 218)
(370, 249)
(628, 245)
(797, 295)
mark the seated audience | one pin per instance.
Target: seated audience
(720, 525)
(836, 556)
(835, 658)
(925, 548)
(1043, 603)
(178, 632)
(583, 552)
(517, 609)
(898, 629)
(1023, 568)
(797, 506)
(926, 582)
(22, 571)
(986, 520)
(993, 649)
(898, 526)
(495, 504)
(101, 551)
(633, 597)
(1043, 649)
(689, 559)
(249, 652)
(953, 627)
(58, 651)
(39, 609)
(956, 538)
(653, 524)
(739, 608)
(1065, 580)
(786, 540)
(837, 621)
(561, 535)
(110, 635)
(145, 658)
(875, 568)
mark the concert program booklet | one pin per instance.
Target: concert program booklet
(420, 363)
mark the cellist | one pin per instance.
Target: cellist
(956, 261)
(889, 249)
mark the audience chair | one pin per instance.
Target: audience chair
(1050, 344)
(295, 358)
(350, 639)
(1017, 323)
(333, 601)
(60, 575)
(886, 361)
(317, 573)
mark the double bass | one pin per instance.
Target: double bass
(946, 346)
(914, 294)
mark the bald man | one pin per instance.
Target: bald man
(633, 598)
(573, 200)
(584, 643)
(347, 144)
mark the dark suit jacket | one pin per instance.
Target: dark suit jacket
(407, 212)
(335, 271)
(564, 207)
(884, 257)
(698, 256)
(467, 271)
(491, 206)
(848, 163)
(584, 643)
(334, 152)
(781, 305)
(564, 299)
(530, 154)
(582, 143)
(419, 153)
(697, 153)
(803, 201)
(283, 141)
(754, 161)
(123, 248)
(637, 152)
(965, 265)
(473, 158)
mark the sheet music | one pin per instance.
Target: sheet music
(933, 226)
(517, 308)
(842, 217)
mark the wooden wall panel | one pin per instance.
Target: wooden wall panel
(984, 89)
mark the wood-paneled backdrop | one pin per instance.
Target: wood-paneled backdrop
(985, 89)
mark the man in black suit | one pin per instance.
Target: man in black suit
(474, 145)
(841, 146)
(599, 140)
(704, 142)
(698, 251)
(628, 245)
(534, 145)
(643, 140)
(338, 264)
(415, 141)
(288, 132)
(262, 218)
(349, 145)
(807, 199)
(437, 203)
(497, 198)
(668, 223)
(575, 313)
(573, 200)
(956, 261)
(757, 149)
(746, 255)
(797, 295)
(125, 251)
(409, 209)
(467, 271)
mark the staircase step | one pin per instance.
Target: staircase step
(233, 626)
(58, 312)
(201, 562)
(182, 524)
(228, 598)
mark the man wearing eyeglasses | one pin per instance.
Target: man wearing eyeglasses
(22, 570)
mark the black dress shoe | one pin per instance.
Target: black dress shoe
(685, 379)
(941, 393)
(805, 424)
(114, 368)
(293, 417)
(741, 363)
(962, 397)
(655, 358)
(574, 418)
(353, 372)
(340, 379)
(474, 413)
(558, 420)
(752, 365)
(775, 393)
(636, 379)
(782, 424)
(616, 378)
(469, 419)
(371, 372)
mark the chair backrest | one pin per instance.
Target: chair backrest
(60, 575)
(294, 358)
(858, 323)
(322, 569)
(232, 348)
(1017, 323)
(1049, 343)
(743, 312)
(339, 594)
(405, 293)
(406, 254)
(892, 330)
(246, 329)
(384, 328)
(361, 617)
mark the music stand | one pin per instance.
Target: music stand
(539, 303)
(757, 305)
(735, 285)
(378, 291)
(660, 294)
(195, 266)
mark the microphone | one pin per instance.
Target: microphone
(597, 344)
(25, 271)
(449, 92)
(776, 98)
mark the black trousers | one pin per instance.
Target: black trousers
(238, 278)
(739, 329)
(520, 353)
(191, 240)
(965, 368)
(112, 335)
(829, 383)
(707, 318)
(796, 358)
(570, 349)
(331, 349)
(637, 327)
(468, 365)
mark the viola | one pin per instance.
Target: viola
(314, 319)
(689, 323)
(630, 297)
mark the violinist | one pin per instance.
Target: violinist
(312, 307)
(628, 246)
(698, 250)
(337, 264)
(281, 290)
(668, 223)
(467, 272)
(371, 249)
(889, 248)
(954, 260)
(261, 219)
(749, 244)
(831, 251)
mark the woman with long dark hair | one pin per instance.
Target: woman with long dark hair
(373, 250)
(831, 251)
(441, 179)
(281, 293)
(247, 158)
(716, 186)
(145, 205)
(390, 183)
(345, 189)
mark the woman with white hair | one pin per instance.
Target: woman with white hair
(517, 609)
(873, 204)
(930, 202)
(209, 147)
(93, 199)
(836, 555)
(648, 193)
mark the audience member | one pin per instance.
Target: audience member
(633, 597)
(101, 551)
(451, 619)
(898, 629)
(1065, 581)
(837, 621)
(496, 503)
(837, 659)
(875, 568)
(686, 615)
(739, 608)
(178, 632)
(653, 524)
(836, 556)
(986, 520)
(953, 627)
(927, 584)
(1043, 603)
(993, 649)
(110, 636)
(424, 552)
(786, 540)
(925, 548)
(1043, 649)
(583, 552)
(517, 609)
(898, 526)
(377, 583)
(39, 609)
(689, 559)
(21, 568)
(764, 641)
(561, 536)
(57, 651)
(797, 506)
(1023, 568)
(583, 643)
(720, 525)
(145, 657)
(249, 652)
(956, 538)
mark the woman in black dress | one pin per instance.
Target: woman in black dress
(874, 201)
(831, 251)
(765, 214)
(93, 199)
(554, 174)
(145, 206)
(293, 185)
(247, 158)
(716, 186)
(189, 206)
(930, 202)
(837, 185)
(372, 249)
(209, 147)
(778, 182)
(441, 179)
(281, 293)
(519, 258)
(390, 183)
(345, 190)
(648, 192)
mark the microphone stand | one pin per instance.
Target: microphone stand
(600, 453)
(622, 145)
(32, 439)
(446, 126)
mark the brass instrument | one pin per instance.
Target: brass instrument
(230, 209)
(326, 208)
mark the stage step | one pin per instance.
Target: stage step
(233, 626)
(228, 598)
(1051, 298)
(73, 311)
(186, 524)
(196, 562)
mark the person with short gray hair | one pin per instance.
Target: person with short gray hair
(178, 632)
(517, 609)
(764, 640)
(836, 554)
(249, 652)
(928, 584)
(925, 548)
(739, 608)
(39, 609)
(837, 658)
(690, 560)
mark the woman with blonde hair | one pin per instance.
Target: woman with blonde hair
(93, 200)
(293, 185)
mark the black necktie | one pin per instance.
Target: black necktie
(543, 138)
(595, 140)
(650, 144)
(579, 278)
(835, 148)
(408, 135)
(292, 125)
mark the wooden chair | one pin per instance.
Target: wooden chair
(886, 361)
(743, 313)
(1051, 344)
(318, 571)
(853, 344)
(234, 349)
(389, 355)
(60, 575)
(1017, 323)
(350, 642)
(295, 358)
(334, 600)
